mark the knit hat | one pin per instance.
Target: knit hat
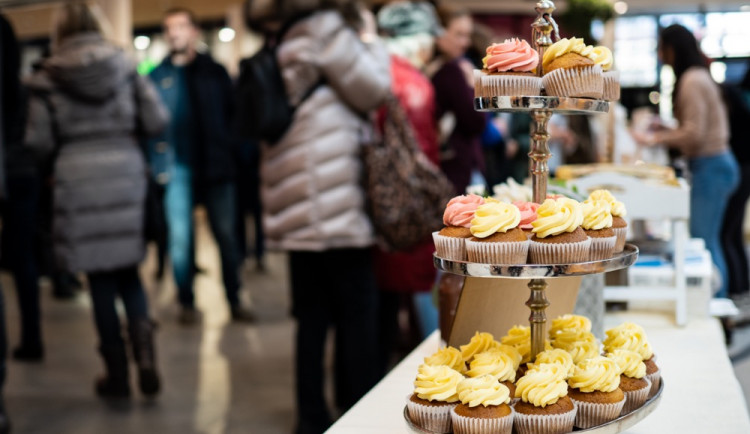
(405, 18)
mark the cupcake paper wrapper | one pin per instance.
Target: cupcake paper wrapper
(602, 248)
(576, 82)
(507, 85)
(497, 253)
(544, 423)
(611, 85)
(591, 414)
(621, 234)
(450, 247)
(437, 419)
(655, 380)
(564, 253)
(475, 425)
(636, 398)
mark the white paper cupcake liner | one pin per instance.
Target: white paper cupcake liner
(621, 234)
(512, 252)
(563, 253)
(655, 380)
(602, 248)
(507, 85)
(584, 82)
(544, 423)
(611, 90)
(476, 425)
(450, 247)
(431, 418)
(591, 414)
(636, 398)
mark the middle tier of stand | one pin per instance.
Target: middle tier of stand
(556, 104)
(620, 260)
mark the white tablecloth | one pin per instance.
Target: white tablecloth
(701, 394)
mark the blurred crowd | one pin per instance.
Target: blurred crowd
(99, 161)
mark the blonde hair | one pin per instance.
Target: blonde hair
(75, 18)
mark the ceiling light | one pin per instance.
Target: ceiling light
(621, 7)
(141, 42)
(226, 34)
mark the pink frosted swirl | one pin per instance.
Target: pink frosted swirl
(512, 55)
(528, 213)
(460, 210)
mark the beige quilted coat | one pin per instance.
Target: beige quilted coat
(311, 179)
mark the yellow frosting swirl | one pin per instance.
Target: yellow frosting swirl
(556, 216)
(448, 356)
(584, 350)
(561, 357)
(602, 56)
(511, 352)
(565, 46)
(542, 386)
(494, 217)
(484, 390)
(492, 362)
(597, 214)
(628, 336)
(437, 383)
(630, 363)
(480, 342)
(568, 338)
(569, 321)
(597, 373)
(618, 208)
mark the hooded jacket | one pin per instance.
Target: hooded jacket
(311, 179)
(87, 106)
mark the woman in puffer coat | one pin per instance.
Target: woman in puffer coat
(314, 204)
(87, 107)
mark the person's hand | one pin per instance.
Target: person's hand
(644, 138)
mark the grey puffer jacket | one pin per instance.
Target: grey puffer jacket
(87, 105)
(311, 179)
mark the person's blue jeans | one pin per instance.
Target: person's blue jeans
(219, 200)
(714, 179)
(106, 286)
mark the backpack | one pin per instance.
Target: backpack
(406, 193)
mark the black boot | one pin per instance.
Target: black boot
(115, 383)
(142, 341)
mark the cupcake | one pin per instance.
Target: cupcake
(629, 336)
(569, 321)
(510, 351)
(528, 215)
(544, 407)
(561, 357)
(450, 242)
(597, 224)
(633, 379)
(497, 239)
(479, 343)
(519, 337)
(584, 350)
(569, 70)
(594, 388)
(619, 225)
(448, 356)
(434, 397)
(558, 237)
(580, 343)
(509, 69)
(602, 56)
(483, 407)
(497, 364)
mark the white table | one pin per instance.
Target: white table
(701, 393)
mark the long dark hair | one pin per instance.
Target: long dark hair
(686, 52)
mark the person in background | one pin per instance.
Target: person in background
(313, 201)
(452, 76)
(738, 102)
(702, 136)
(87, 105)
(406, 277)
(195, 158)
(248, 202)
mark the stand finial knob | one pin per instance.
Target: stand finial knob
(545, 7)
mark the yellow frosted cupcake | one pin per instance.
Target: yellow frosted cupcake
(497, 239)
(434, 397)
(633, 379)
(618, 211)
(629, 336)
(579, 343)
(544, 406)
(558, 237)
(495, 363)
(597, 224)
(519, 337)
(556, 355)
(479, 343)
(594, 388)
(483, 407)
(569, 70)
(569, 322)
(448, 356)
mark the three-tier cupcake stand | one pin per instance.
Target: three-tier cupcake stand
(482, 280)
